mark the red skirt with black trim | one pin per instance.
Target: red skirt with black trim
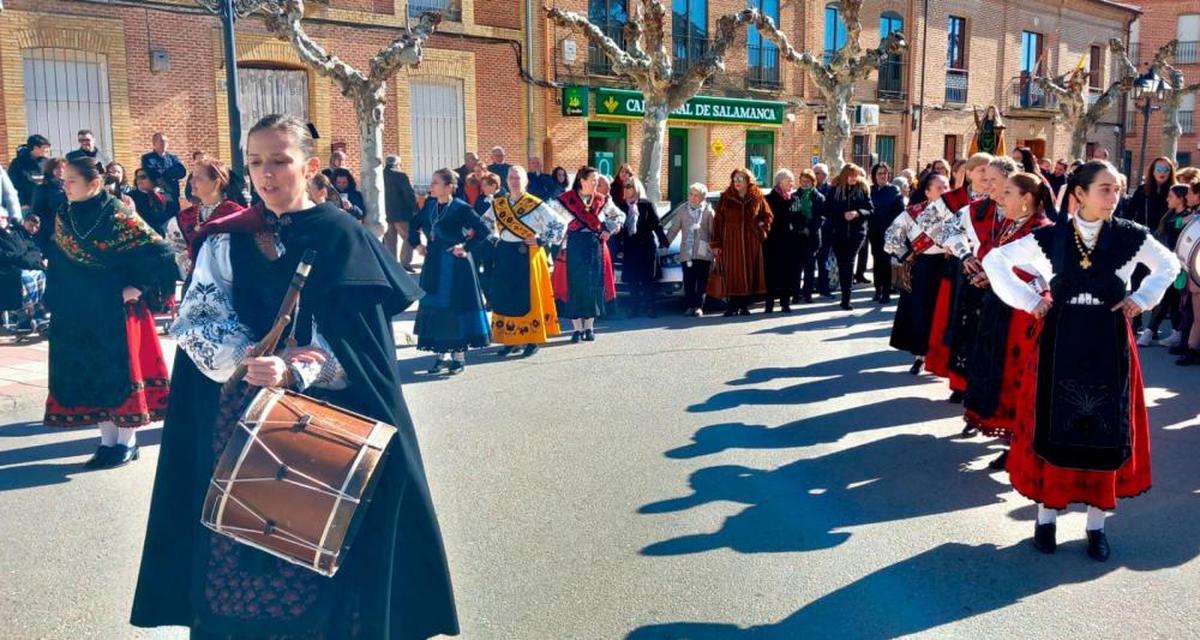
(1056, 487)
(937, 360)
(1017, 392)
(147, 402)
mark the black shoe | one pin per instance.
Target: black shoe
(846, 306)
(806, 299)
(456, 367)
(743, 311)
(886, 299)
(100, 459)
(828, 294)
(529, 350)
(968, 431)
(438, 365)
(1098, 547)
(409, 269)
(589, 335)
(1191, 358)
(786, 308)
(1178, 350)
(120, 456)
(861, 280)
(729, 313)
(1000, 463)
(915, 369)
(576, 336)
(506, 351)
(956, 397)
(770, 308)
(797, 299)
(1043, 537)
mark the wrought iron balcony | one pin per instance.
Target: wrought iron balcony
(450, 9)
(762, 69)
(1187, 53)
(687, 52)
(1024, 93)
(956, 86)
(891, 80)
(1187, 121)
(1135, 50)
(598, 63)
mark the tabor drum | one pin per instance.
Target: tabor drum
(1187, 248)
(293, 477)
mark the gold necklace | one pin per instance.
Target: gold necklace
(1086, 260)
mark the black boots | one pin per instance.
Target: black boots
(1098, 548)
(1043, 537)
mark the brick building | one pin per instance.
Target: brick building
(973, 54)
(1162, 21)
(127, 69)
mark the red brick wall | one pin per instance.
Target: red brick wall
(1159, 25)
(503, 13)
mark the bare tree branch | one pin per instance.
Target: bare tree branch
(622, 62)
(818, 70)
(405, 50)
(286, 25)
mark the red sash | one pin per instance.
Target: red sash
(584, 216)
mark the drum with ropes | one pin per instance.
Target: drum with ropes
(1187, 249)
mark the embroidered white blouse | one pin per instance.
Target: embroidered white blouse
(1027, 255)
(610, 216)
(550, 226)
(209, 331)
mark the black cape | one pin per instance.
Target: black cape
(395, 582)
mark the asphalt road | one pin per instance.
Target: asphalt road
(764, 477)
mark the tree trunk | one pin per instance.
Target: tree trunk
(837, 129)
(654, 131)
(1172, 128)
(1079, 142)
(370, 140)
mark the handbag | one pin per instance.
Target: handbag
(902, 276)
(716, 280)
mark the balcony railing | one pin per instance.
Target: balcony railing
(687, 53)
(1135, 50)
(1186, 53)
(1027, 94)
(1187, 121)
(598, 63)
(891, 80)
(450, 9)
(762, 72)
(956, 86)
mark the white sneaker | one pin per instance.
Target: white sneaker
(1173, 340)
(1145, 338)
(699, 313)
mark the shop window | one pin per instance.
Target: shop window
(760, 157)
(438, 127)
(67, 90)
(607, 142)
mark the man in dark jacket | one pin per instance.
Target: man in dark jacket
(500, 167)
(25, 170)
(166, 170)
(824, 287)
(467, 168)
(22, 280)
(541, 184)
(87, 148)
(401, 203)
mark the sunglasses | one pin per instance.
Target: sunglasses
(1158, 168)
(739, 179)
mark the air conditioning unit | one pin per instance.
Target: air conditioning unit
(866, 115)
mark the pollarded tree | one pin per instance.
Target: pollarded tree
(836, 79)
(1072, 89)
(1175, 89)
(367, 90)
(646, 61)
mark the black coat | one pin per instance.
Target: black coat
(836, 207)
(166, 171)
(24, 171)
(399, 197)
(16, 254)
(1145, 209)
(791, 236)
(888, 203)
(152, 207)
(48, 198)
(639, 263)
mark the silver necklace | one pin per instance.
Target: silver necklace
(84, 236)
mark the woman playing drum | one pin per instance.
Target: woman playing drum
(393, 582)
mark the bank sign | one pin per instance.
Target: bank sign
(620, 103)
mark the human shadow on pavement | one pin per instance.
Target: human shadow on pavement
(847, 366)
(803, 505)
(17, 472)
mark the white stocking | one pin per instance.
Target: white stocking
(108, 433)
(1095, 519)
(127, 437)
(1046, 516)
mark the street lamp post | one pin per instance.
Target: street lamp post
(1147, 86)
(230, 11)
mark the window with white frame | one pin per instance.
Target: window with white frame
(1187, 112)
(1188, 34)
(67, 90)
(438, 127)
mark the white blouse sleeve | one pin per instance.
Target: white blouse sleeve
(208, 329)
(1164, 268)
(1027, 254)
(895, 239)
(613, 217)
(553, 226)
(327, 375)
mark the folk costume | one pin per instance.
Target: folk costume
(740, 225)
(583, 273)
(523, 310)
(450, 318)
(185, 231)
(981, 222)
(1089, 439)
(394, 583)
(106, 365)
(1003, 364)
(950, 229)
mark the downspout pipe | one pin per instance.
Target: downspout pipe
(530, 142)
(924, 55)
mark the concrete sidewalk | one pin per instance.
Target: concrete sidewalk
(24, 370)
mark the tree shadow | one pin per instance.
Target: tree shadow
(803, 505)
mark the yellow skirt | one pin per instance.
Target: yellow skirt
(541, 322)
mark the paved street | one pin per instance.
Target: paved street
(764, 477)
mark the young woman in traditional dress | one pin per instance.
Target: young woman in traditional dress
(583, 272)
(209, 182)
(741, 223)
(107, 267)
(393, 582)
(523, 311)
(1003, 362)
(451, 318)
(1088, 439)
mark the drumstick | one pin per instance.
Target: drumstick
(267, 345)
